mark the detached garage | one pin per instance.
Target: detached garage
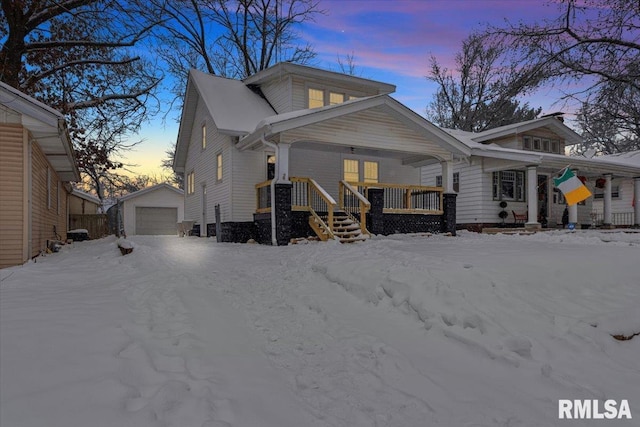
(152, 211)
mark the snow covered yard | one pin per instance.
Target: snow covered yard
(474, 330)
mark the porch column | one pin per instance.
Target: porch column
(449, 215)
(447, 176)
(532, 197)
(606, 222)
(573, 214)
(375, 222)
(282, 163)
(636, 201)
(282, 208)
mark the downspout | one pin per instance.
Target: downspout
(274, 240)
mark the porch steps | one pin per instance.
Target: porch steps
(344, 228)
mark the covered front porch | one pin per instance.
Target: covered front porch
(351, 170)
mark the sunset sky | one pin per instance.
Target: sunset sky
(391, 41)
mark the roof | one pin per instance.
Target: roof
(86, 196)
(275, 124)
(48, 128)
(622, 165)
(283, 69)
(151, 189)
(234, 108)
(571, 137)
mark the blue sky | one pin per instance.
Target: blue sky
(391, 41)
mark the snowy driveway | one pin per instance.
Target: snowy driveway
(474, 330)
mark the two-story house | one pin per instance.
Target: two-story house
(293, 150)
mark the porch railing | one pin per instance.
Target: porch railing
(306, 195)
(617, 218)
(354, 204)
(403, 198)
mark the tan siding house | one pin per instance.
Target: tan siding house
(36, 163)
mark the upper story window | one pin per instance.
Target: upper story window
(204, 136)
(321, 97)
(191, 183)
(219, 167)
(316, 98)
(336, 98)
(545, 145)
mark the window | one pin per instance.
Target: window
(336, 98)
(508, 185)
(370, 171)
(456, 182)
(526, 144)
(598, 193)
(545, 146)
(191, 183)
(316, 98)
(438, 180)
(219, 167)
(351, 173)
(555, 147)
(536, 144)
(204, 136)
(271, 166)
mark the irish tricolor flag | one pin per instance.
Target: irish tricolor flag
(572, 188)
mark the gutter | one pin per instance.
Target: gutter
(274, 240)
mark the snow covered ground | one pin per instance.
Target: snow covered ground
(474, 330)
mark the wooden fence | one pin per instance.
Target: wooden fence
(96, 225)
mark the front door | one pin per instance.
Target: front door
(543, 199)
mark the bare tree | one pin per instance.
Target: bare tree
(348, 64)
(482, 91)
(79, 57)
(592, 52)
(232, 38)
(175, 178)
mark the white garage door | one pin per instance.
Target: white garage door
(156, 220)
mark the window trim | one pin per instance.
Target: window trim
(344, 169)
(326, 95)
(219, 167)
(364, 171)
(203, 141)
(456, 182)
(518, 178)
(191, 182)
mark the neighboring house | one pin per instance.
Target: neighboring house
(516, 164)
(153, 210)
(624, 193)
(36, 165)
(294, 150)
(81, 203)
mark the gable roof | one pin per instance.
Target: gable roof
(147, 190)
(275, 124)
(551, 122)
(234, 108)
(86, 196)
(283, 69)
(48, 128)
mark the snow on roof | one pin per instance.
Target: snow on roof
(150, 189)
(86, 196)
(234, 107)
(558, 126)
(631, 158)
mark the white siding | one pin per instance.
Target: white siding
(249, 168)
(161, 197)
(474, 204)
(326, 168)
(203, 164)
(279, 95)
(299, 90)
(372, 129)
(621, 204)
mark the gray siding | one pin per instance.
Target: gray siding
(279, 95)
